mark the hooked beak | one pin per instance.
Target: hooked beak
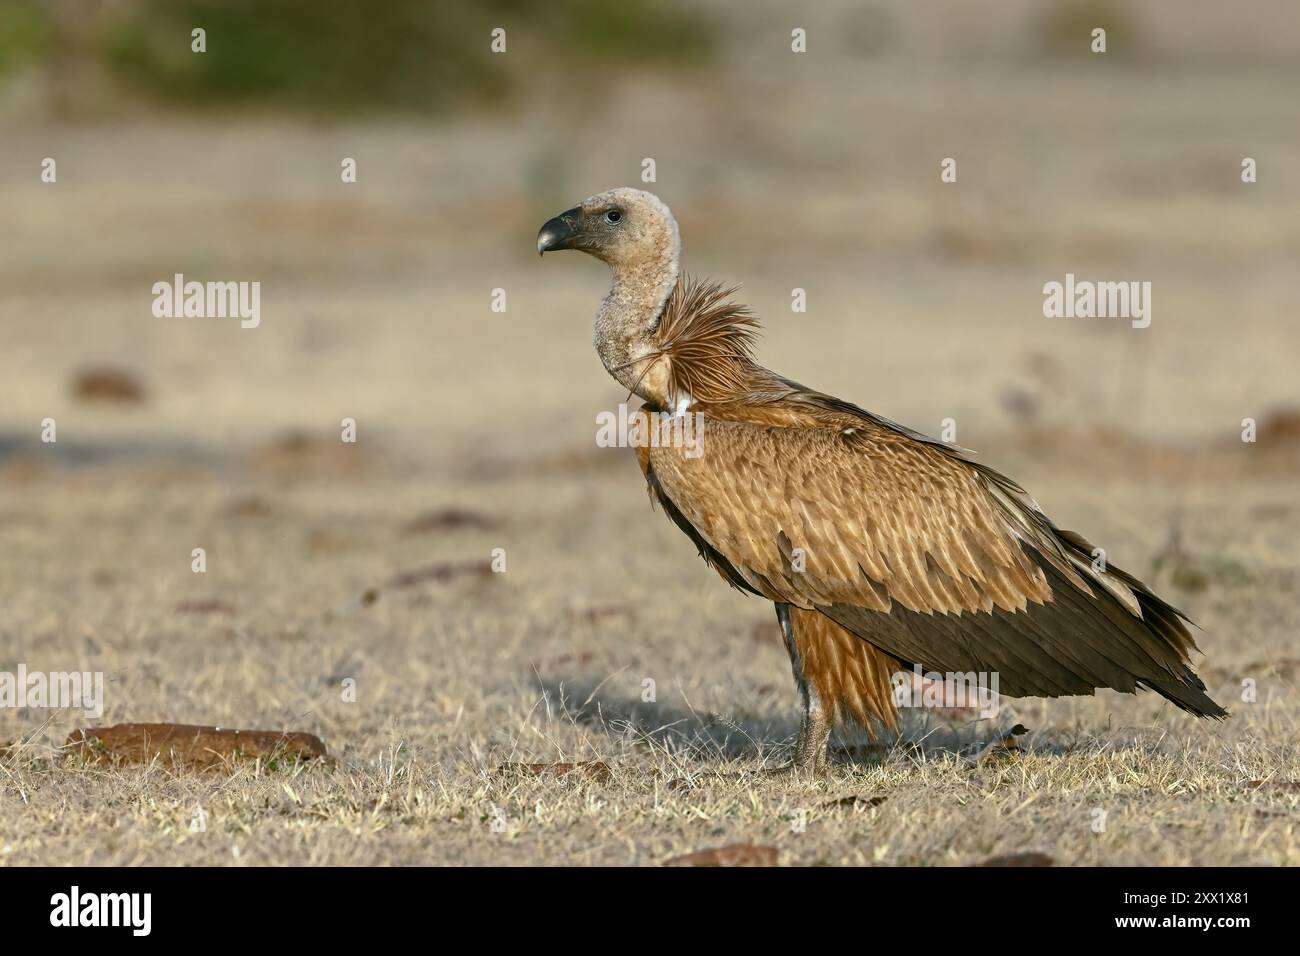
(559, 233)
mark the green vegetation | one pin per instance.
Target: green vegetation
(402, 55)
(26, 33)
(649, 31)
(1066, 27)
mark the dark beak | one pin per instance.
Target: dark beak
(559, 233)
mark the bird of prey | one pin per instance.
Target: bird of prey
(883, 550)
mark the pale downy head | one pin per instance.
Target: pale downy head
(623, 227)
(635, 234)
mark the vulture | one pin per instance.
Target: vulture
(882, 550)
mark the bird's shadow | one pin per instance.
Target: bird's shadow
(684, 732)
(674, 728)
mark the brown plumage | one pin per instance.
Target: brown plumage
(851, 677)
(882, 549)
(706, 342)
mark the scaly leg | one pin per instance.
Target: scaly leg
(815, 730)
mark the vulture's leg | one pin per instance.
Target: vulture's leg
(815, 731)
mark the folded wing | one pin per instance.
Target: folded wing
(907, 543)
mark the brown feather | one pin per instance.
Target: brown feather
(707, 342)
(908, 546)
(852, 678)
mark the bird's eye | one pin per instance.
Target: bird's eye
(614, 216)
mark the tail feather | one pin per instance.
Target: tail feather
(1187, 691)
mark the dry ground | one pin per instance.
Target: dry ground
(546, 663)
(923, 305)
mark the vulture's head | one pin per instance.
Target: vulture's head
(623, 227)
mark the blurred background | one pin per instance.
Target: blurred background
(816, 170)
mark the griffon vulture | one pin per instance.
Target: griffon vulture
(882, 549)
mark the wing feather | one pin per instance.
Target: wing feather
(909, 545)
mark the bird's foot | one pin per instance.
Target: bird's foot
(796, 771)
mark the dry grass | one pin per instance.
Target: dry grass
(545, 663)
